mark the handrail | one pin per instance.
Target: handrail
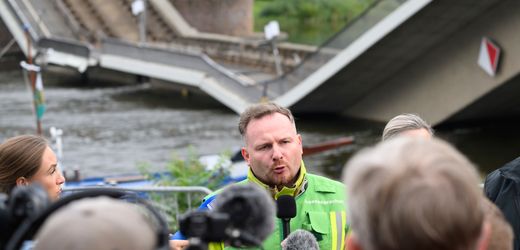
(167, 199)
(66, 45)
(322, 55)
(240, 79)
(325, 44)
(188, 189)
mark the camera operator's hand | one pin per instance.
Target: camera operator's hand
(178, 244)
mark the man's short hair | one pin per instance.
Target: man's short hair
(98, 223)
(410, 193)
(260, 110)
(404, 122)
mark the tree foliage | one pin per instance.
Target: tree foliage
(308, 21)
(187, 171)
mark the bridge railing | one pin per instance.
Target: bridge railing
(66, 46)
(181, 58)
(170, 201)
(341, 40)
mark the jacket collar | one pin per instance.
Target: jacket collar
(297, 189)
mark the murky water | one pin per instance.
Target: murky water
(110, 130)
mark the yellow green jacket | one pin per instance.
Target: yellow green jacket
(321, 210)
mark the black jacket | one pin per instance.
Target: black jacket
(502, 187)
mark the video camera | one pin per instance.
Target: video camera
(204, 225)
(243, 216)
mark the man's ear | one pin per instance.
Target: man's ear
(351, 243)
(485, 235)
(300, 143)
(22, 181)
(245, 154)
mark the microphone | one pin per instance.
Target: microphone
(250, 210)
(286, 211)
(300, 240)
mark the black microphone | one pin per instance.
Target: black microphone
(286, 210)
(250, 210)
(300, 240)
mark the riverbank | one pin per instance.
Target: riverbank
(111, 130)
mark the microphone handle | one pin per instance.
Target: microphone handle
(286, 227)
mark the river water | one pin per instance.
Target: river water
(111, 130)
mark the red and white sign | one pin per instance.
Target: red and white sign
(488, 56)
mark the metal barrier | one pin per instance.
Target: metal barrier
(170, 201)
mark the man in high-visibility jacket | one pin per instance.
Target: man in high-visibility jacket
(273, 150)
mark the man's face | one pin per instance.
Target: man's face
(273, 149)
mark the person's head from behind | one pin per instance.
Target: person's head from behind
(412, 193)
(28, 159)
(99, 223)
(501, 231)
(273, 148)
(408, 125)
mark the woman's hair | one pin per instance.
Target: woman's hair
(20, 156)
(402, 123)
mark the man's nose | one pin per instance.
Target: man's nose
(277, 153)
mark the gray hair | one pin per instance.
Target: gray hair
(410, 193)
(404, 122)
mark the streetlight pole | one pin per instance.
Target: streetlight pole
(139, 9)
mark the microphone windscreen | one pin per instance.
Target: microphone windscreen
(286, 207)
(250, 209)
(300, 240)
